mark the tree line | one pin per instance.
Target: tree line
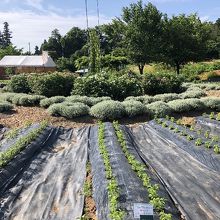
(141, 35)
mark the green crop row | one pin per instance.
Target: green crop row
(112, 185)
(211, 140)
(157, 202)
(8, 155)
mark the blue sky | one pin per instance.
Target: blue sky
(33, 20)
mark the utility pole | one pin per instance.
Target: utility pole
(87, 20)
(29, 48)
(98, 11)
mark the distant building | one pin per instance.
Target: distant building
(82, 72)
(28, 64)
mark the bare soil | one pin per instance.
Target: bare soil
(213, 93)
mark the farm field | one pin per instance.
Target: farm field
(109, 110)
(161, 162)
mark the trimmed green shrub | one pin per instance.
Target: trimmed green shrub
(185, 105)
(107, 84)
(159, 109)
(69, 110)
(134, 108)
(108, 110)
(27, 100)
(96, 100)
(56, 84)
(211, 103)
(166, 97)
(193, 93)
(55, 109)
(7, 96)
(146, 99)
(45, 103)
(5, 106)
(157, 83)
(74, 110)
(83, 99)
(19, 84)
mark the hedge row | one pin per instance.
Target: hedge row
(118, 85)
(42, 84)
(110, 110)
(21, 99)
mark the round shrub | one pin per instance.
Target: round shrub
(74, 110)
(166, 97)
(134, 108)
(54, 84)
(77, 98)
(55, 109)
(19, 84)
(108, 110)
(45, 103)
(96, 100)
(95, 85)
(193, 93)
(185, 105)
(116, 86)
(68, 110)
(27, 100)
(159, 109)
(158, 83)
(7, 96)
(146, 99)
(211, 103)
(5, 106)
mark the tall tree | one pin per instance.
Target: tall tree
(6, 35)
(37, 51)
(142, 32)
(185, 39)
(53, 45)
(1, 40)
(73, 41)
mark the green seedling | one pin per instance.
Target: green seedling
(198, 142)
(216, 149)
(218, 117)
(215, 138)
(172, 119)
(190, 137)
(192, 128)
(208, 144)
(183, 133)
(12, 133)
(176, 130)
(171, 127)
(167, 117)
(165, 216)
(206, 134)
(212, 115)
(164, 125)
(199, 132)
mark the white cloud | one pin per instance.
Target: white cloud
(35, 4)
(205, 18)
(28, 26)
